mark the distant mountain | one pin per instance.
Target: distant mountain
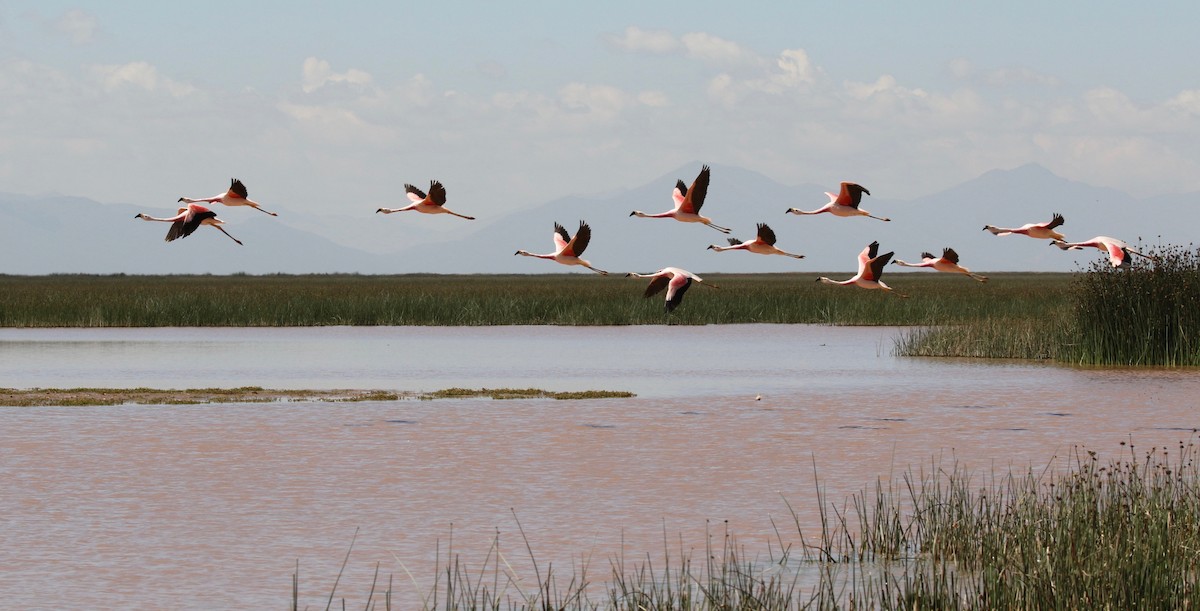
(60, 234)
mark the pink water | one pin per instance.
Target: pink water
(204, 507)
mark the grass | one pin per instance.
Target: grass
(1120, 534)
(1146, 315)
(526, 393)
(563, 299)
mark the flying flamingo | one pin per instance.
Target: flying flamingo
(1040, 231)
(845, 203)
(675, 280)
(763, 244)
(870, 269)
(188, 220)
(1118, 251)
(235, 196)
(434, 203)
(568, 249)
(948, 262)
(687, 203)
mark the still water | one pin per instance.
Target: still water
(205, 507)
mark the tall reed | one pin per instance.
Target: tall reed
(1148, 314)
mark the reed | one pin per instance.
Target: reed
(1144, 315)
(1117, 534)
(563, 299)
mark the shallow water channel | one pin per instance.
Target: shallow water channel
(212, 506)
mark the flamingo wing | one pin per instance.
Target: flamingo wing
(734, 241)
(1057, 221)
(949, 255)
(237, 189)
(679, 193)
(437, 193)
(765, 235)
(190, 225)
(678, 285)
(580, 242)
(694, 198)
(561, 238)
(876, 265)
(851, 194)
(656, 286)
(414, 194)
(868, 253)
(1117, 255)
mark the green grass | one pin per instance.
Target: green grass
(1087, 534)
(565, 299)
(1147, 315)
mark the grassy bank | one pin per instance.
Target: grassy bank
(566, 299)
(1093, 534)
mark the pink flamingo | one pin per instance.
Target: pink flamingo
(763, 244)
(1040, 231)
(675, 280)
(687, 203)
(948, 262)
(188, 220)
(235, 196)
(870, 269)
(1118, 251)
(568, 249)
(434, 203)
(845, 203)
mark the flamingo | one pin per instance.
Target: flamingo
(675, 280)
(870, 269)
(434, 203)
(1118, 251)
(235, 196)
(568, 249)
(188, 220)
(948, 262)
(763, 244)
(845, 203)
(1039, 231)
(687, 203)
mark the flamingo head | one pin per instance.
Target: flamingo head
(791, 211)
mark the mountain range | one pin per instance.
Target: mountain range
(64, 234)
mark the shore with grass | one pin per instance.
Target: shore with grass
(1087, 534)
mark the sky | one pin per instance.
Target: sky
(332, 107)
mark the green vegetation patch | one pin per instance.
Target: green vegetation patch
(39, 397)
(525, 393)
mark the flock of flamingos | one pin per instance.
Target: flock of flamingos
(568, 249)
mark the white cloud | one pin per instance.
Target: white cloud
(140, 75)
(637, 40)
(706, 47)
(79, 27)
(316, 73)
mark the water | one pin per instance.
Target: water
(201, 507)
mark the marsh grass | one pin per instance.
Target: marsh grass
(562, 299)
(1147, 315)
(525, 393)
(1087, 534)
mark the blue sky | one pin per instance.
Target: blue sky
(324, 107)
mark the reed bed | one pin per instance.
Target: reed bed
(1088, 534)
(562, 299)
(1146, 315)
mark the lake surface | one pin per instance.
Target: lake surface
(202, 507)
